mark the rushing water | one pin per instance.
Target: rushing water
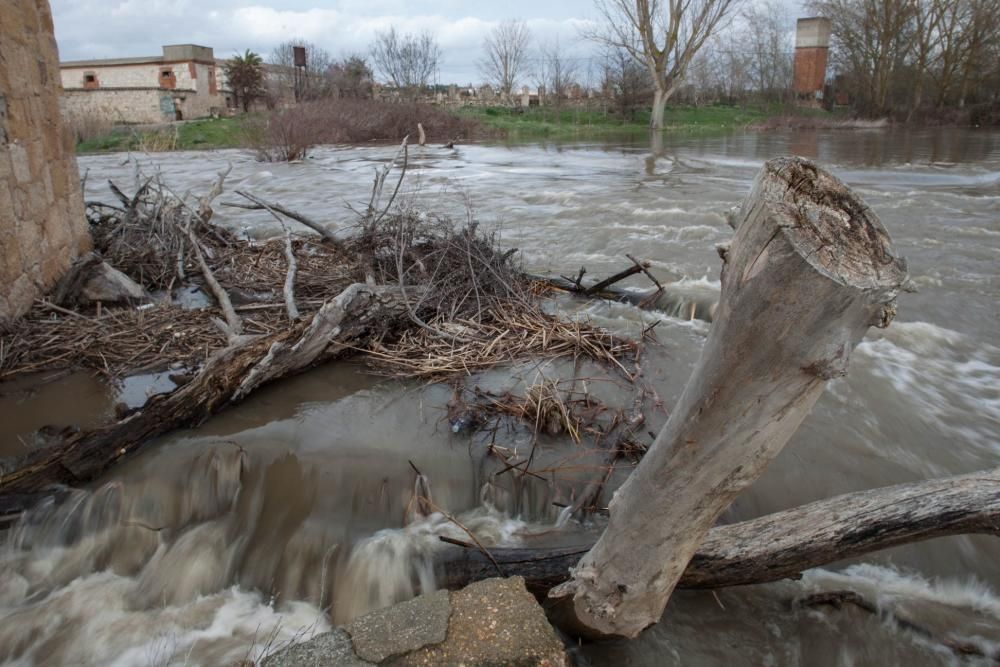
(287, 513)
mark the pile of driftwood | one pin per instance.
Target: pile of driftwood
(418, 295)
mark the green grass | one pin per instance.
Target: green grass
(204, 134)
(547, 122)
(210, 133)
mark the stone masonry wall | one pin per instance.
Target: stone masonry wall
(132, 93)
(42, 224)
(150, 105)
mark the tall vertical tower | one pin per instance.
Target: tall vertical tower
(812, 47)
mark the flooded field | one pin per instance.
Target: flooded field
(286, 514)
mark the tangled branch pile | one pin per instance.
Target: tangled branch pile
(470, 305)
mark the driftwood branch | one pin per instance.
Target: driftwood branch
(810, 269)
(234, 324)
(356, 316)
(289, 289)
(618, 277)
(784, 544)
(644, 266)
(259, 204)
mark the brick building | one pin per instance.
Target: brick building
(42, 225)
(185, 82)
(812, 47)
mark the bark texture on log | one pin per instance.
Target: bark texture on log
(350, 320)
(784, 544)
(809, 270)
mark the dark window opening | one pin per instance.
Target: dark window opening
(89, 78)
(168, 79)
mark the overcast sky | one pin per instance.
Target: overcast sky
(117, 28)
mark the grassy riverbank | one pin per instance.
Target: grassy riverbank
(497, 122)
(193, 135)
(545, 121)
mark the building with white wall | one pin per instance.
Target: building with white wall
(182, 83)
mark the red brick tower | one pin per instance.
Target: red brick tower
(812, 46)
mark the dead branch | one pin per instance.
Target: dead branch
(645, 269)
(205, 203)
(234, 325)
(611, 280)
(289, 290)
(785, 544)
(260, 204)
(357, 316)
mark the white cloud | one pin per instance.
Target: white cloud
(102, 29)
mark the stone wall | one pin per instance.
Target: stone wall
(137, 105)
(42, 224)
(145, 90)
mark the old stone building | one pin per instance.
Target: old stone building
(42, 225)
(812, 47)
(182, 83)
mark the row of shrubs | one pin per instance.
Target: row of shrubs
(290, 133)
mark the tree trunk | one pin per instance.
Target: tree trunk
(659, 106)
(350, 320)
(809, 270)
(784, 544)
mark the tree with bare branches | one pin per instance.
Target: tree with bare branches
(506, 55)
(663, 35)
(408, 61)
(306, 83)
(556, 73)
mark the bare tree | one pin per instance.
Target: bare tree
(871, 39)
(506, 55)
(663, 35)
(556, 73)
(351, 77)
(304, 83)
(408, 61)
(626, 82)
(766, 29)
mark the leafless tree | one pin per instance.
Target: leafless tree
(872, 39)
(663, 35)
(765, 31)
(407, 61)
(506, 55)
(351, 77)
(305, 84)
(895, 54)
(557, 73)
(626, 82)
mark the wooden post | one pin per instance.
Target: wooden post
(809, 270)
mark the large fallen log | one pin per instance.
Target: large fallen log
(780, 545)
(348, 321)
(809, 270)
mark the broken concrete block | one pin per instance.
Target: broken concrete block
(401, 628)
(493, 622)
(329, 649)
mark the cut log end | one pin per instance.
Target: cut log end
(830, 226)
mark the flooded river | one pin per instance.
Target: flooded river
(292, 511)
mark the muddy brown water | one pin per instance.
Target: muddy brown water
(286, 514)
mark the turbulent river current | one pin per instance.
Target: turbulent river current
(292, 512)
